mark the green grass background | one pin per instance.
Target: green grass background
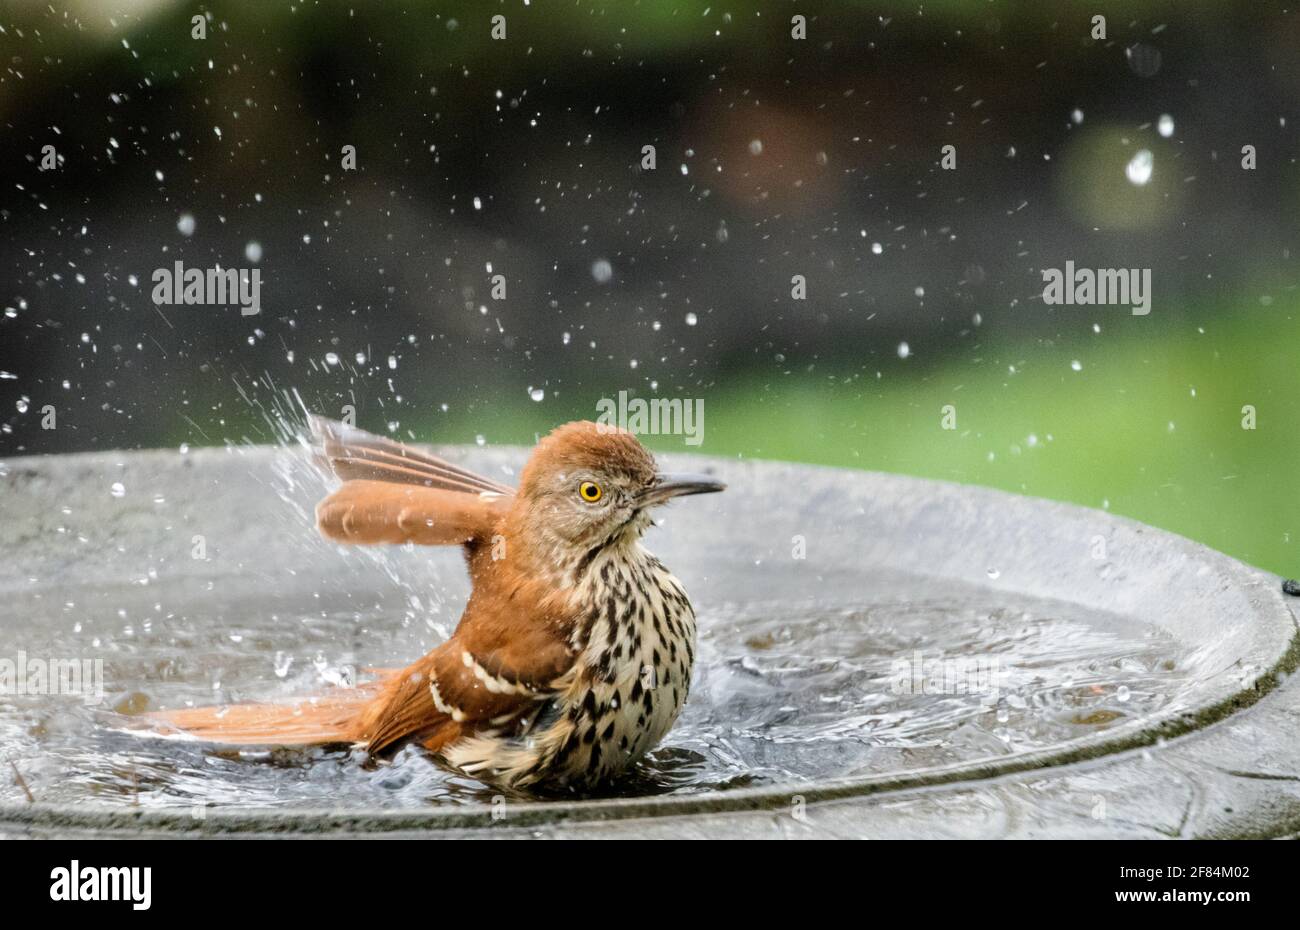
(1150, 427)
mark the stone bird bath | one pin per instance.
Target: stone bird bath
(880, 656)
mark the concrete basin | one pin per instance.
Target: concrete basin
(880, 656)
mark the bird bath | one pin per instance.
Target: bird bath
(879, 656)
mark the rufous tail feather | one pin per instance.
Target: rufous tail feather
(335, 717)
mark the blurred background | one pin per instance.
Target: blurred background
(775, 156)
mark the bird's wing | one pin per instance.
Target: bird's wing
(393, 493)
(353, 453)
(366, 512)
(457, 691)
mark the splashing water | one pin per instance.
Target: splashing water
(783, 691)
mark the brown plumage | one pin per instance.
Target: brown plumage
(573, 656)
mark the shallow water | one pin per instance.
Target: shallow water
(784, 691)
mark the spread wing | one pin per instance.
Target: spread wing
(394, 494)
(368, 512)
(353, 453)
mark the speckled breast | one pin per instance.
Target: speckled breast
(636, 651)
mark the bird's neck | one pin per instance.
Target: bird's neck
(541, 579)
(544, 554)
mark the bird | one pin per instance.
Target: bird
(574, 654)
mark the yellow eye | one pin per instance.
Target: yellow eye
(589, 491)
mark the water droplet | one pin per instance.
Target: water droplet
(876, 248)
(1076, 365)
(1144, 60)
(480, 440)
(282, 664)
(994, 574)
(756, 147)
(253, 252)
(1077, 117)
(691, 319)
(602, 271)
(185, 225)
(331, 358)
(1165, 125)
(118, 489)
(537, 394)
(904, 350)
(1139, 167)
(1122, 694)
(392, 361)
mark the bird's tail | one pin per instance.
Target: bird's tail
(336, 717)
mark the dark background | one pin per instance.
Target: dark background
(243, 131)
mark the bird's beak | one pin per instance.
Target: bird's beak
(678, 485)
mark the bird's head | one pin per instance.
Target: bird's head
(588, 485)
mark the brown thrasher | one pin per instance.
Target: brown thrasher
(574, 654)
